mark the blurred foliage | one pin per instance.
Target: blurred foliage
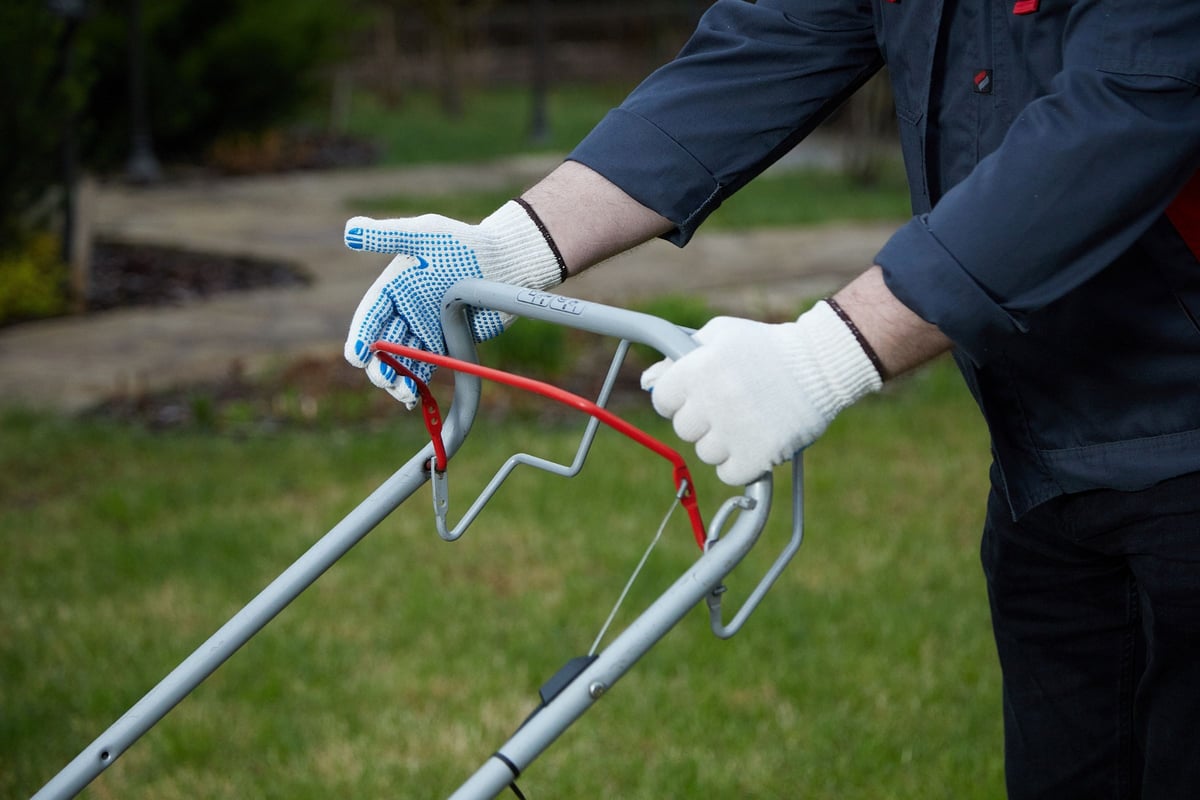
(449, 21)
(38, 100)
(530, 344)
(32, 280)
(214, 69)
(685, 310)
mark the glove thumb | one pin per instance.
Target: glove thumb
(355, 235)
(402, 235)
(652, 373)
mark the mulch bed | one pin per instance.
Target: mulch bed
(124, 275)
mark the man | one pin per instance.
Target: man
(1052, 149)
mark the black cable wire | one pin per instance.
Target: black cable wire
(516, 773)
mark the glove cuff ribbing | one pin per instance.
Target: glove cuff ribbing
(840, 363)
(526, 255)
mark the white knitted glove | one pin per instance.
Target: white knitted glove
(403, 306)
(752, 394)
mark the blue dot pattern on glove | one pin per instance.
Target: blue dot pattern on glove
(405, 306)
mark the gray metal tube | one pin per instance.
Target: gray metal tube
(544, 727)
(613, 662)
(219, 647)
(532, 739)
(666, 337)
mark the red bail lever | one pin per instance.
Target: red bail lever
(684, 485)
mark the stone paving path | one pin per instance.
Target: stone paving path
(74, 363)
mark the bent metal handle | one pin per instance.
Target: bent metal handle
(682, 477)
(700, 581)
(664, 336)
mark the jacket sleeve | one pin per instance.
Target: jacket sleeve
(1082, 173)
(752, 81)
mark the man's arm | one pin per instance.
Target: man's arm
(900, 339)
(796, 376)
(591, 219)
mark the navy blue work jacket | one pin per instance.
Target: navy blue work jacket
(1052, 149)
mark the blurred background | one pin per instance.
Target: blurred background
(149, 92)
(177, 425)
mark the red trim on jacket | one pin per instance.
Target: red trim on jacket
(1184, 213)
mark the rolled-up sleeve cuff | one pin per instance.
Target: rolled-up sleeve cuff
(928, 279)
(652, 168)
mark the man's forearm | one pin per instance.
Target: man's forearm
(900, 338)
(589, 218)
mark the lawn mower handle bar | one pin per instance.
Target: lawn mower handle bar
(703, 581)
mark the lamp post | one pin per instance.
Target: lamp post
(142, 166)
(72, 13)
(539, 46)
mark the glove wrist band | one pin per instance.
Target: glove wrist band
(845, 369)
(541, 226)
(525, 255)
(862, 341)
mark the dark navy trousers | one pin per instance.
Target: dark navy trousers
(1095, 603)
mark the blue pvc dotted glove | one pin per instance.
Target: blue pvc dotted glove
(403, 306)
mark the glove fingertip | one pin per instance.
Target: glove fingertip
(667, 398)
(404, 391)
(728, 476)
(691, 426)
(355, 233)
(732, 473)
(488, 324)
(713, 450)
(653, 372)
(381, 374)
(357, 352)
(666, 405)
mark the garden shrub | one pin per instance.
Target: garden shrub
(214, 69)
(33, 281)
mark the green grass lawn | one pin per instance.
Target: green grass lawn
(867, 673)
(495, 122)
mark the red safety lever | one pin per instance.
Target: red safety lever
(682, 477)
